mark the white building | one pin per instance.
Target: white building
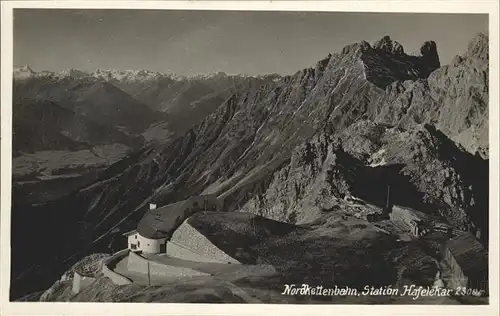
(158, 224)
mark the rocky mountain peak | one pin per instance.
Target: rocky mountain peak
(73, 73)
(387, 62)
(23, 72)
(359, 47)
(25, 68)
(478, 47)
(387, 45)
(430, 55)
(291, 150)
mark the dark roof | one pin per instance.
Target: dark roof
(162, 222)
(130, 232)
(469, 254)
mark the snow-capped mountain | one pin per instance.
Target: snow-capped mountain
(291, 150)
(23, 72)
(126, 75)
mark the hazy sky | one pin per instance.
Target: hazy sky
(191, 42)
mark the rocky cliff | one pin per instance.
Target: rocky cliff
(461, 90)
(294, 148)
(425, 170)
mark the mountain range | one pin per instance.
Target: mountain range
(289, 148)
(72, 121)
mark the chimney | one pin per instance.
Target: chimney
(152, 206)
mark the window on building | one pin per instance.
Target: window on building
(138, 244)
(133, 246)
(135, 236)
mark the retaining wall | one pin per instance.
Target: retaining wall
(141, 265)
(192, 239)
(80, 282)
(116, 278)
(181, 252)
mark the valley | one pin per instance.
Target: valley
(314, 151)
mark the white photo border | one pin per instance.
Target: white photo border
(438, 6)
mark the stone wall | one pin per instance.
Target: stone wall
(80, 282)
(192, 239)
(181, 252)
(141, 265)
(457, 277)
(116, 278)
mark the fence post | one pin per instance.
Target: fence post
(149, 275)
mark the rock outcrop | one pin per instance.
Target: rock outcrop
(274, 149)
(423, 167)
(387, 62)
(462, 91)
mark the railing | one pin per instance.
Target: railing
(116, 278)
(155, 270)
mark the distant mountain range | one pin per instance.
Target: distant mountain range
(286, 148)
(159, 91)
(114, 98)
(76, 113)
